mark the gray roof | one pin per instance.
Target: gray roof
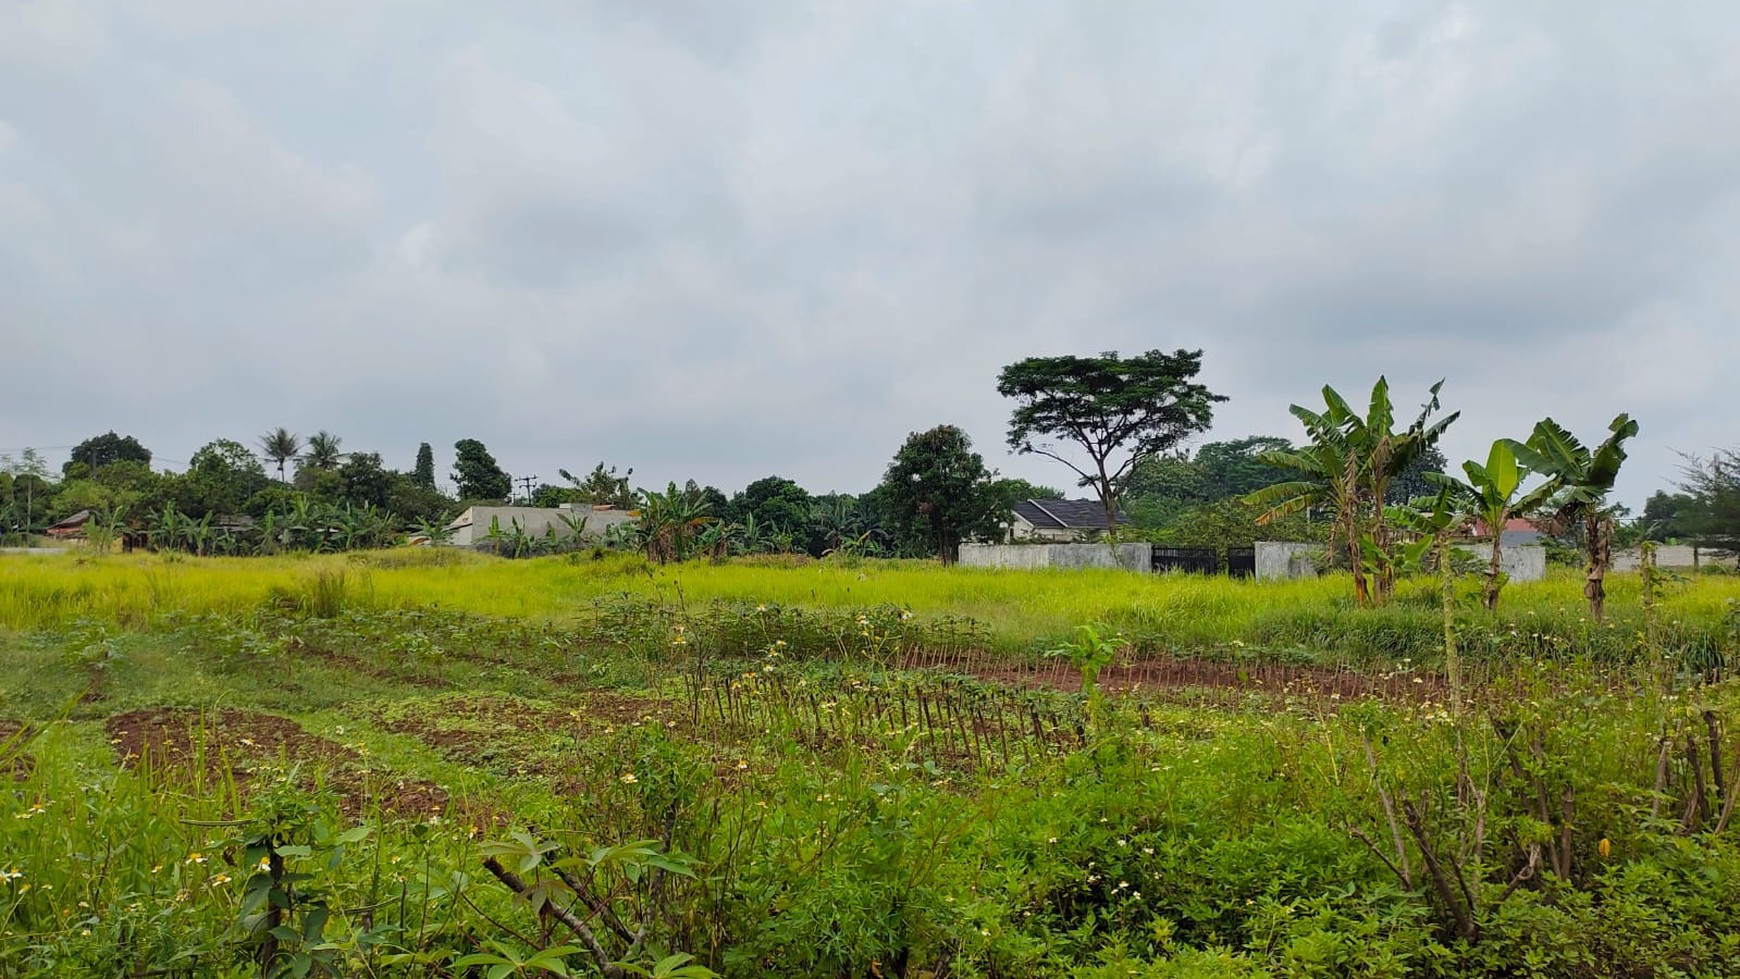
(1065, 514)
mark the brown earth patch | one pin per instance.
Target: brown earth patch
(1171, 676)
(233, 744)
(505, 734)
(357, 665)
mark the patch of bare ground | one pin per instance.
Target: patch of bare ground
(506, 734)
(220, 745)
(14, 762)
(359, 666)
(1172, 676)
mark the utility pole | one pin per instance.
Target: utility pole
(526, 483)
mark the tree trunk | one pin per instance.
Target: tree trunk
(1491, 591)
(1452, 656)
(1598, 534)
(1361, 592)
(1106, 497)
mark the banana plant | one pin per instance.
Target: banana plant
(270, 526)
(106, 525)
(576, 524)
(751, 536)
(1490, 495)
(301, 524)
(1347, 467)
(437, 532)
(168, 528)
(1579, 480)
(667, 522)
(201, 535)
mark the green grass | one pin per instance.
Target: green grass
(1023, 611)
(844, 818)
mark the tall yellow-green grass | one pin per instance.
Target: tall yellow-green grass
(1021, 608)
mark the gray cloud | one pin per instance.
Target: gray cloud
(720, 241)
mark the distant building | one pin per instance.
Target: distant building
(472, 527)
(1059, 520)
(72, 528)
(1517, 531)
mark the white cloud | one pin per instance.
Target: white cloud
(720, 241)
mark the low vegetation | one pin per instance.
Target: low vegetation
(427, 763)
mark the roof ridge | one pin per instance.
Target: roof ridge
(1060, 522)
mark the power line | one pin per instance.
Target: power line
(526, 482)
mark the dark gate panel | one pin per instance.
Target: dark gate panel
(1192, 560)
(1241, 562)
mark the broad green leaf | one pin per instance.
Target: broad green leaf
(1502, 473)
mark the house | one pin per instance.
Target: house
(72, 528)
(472, 527)
(1059, 520)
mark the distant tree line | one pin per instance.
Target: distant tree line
(1118, 424)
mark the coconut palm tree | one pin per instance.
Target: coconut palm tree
(1579, 481)
(322, 451)
(280, 445)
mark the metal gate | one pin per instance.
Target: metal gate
(1192, 560)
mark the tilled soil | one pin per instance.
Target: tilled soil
(358, 666)
(1172, 675)
(482, 730)
(233, 744)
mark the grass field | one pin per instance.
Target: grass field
(1019, 611)
(348, 765)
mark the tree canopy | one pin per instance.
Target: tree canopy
(937, 491)
(221, 477)
(477, 474)
(101, 450)
(1709, 509)
(423, 473)
(1117, 411)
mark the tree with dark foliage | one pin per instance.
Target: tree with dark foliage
(938, 490)
(1117, 411)
(476, 472)
(98, 451)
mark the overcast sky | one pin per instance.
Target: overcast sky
(721, 240)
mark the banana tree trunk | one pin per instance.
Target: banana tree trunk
(1361, 589)
(1598, 538)
(1489, 594)
(1447, 598)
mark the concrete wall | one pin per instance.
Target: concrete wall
(472, 527)
(1131, 557)
(1279, 561)
(1282, 560)
(1682, 556)
(1526, 562)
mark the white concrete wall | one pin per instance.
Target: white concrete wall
(1283, 560)
(1279, 561)
(1131, 557)
(1520, 562)
(1682, 556)
(534, 521)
